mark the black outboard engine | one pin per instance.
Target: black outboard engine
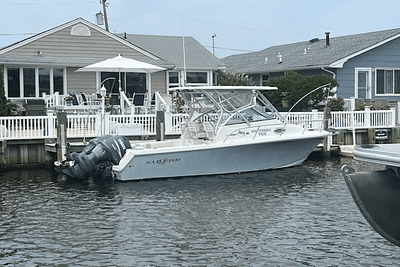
(107, 150)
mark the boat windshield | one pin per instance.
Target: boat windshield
(251, 115)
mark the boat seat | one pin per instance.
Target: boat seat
(193, 129)
(208, 129)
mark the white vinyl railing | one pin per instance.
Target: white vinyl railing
(41, 127)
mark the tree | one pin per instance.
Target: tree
(3, 99)
(234, 79)
(292, 86)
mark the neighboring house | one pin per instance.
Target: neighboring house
(46, 62)
(365, 65)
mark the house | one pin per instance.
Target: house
(365, 65)
(46, 63)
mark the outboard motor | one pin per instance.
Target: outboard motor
(106, 150)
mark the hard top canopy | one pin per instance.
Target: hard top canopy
(194, 88)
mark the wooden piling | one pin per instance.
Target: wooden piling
(371, 136)
(160, 125)
(327, 140)
(395, 135)
(61, 136)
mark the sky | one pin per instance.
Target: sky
(239, 26)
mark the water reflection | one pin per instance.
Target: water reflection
(296, 216)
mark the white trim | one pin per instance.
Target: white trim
(65, 83)
(339, 63)
(21, 83)
(376, 81)
(5, 79)
(368, 93)
(37, 82)
(80, 30)
(69, 24)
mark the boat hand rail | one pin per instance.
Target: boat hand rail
(312, 91)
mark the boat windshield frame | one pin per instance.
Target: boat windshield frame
(232, 105)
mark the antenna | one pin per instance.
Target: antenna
(184, 49)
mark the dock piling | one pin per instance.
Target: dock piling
(61, 136)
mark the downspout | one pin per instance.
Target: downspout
(329, 71)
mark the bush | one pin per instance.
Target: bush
(293, 86)
(234, 79)
(336, 104)
(371, 106)
(7, 108)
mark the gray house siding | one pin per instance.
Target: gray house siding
(81, 81)
(158, 82)
(63, 44)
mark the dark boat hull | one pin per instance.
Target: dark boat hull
(377, 195)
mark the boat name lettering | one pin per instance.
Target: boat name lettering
(163, 161)
(261, 132)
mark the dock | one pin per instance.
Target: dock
(32, 140)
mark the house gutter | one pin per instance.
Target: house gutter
(329, 71)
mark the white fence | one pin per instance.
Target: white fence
(40, 127)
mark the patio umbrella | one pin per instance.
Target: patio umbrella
(122, 64)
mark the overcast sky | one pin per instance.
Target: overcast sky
(240, 25)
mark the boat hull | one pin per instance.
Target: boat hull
(213, 159)
(377, 196)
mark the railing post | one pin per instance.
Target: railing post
(106, 123)
(314, 122)
(98, 126)
(50, 124)
(367, 118)
(56, 99)
(393, 120)
(169, 122)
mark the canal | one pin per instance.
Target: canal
(300, 216)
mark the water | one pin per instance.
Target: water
(301, 216)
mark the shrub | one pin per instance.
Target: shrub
(336, 104)
(234, 79)
(293, 86)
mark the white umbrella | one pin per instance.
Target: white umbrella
(122, 64)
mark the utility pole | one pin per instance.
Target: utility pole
(105, 5)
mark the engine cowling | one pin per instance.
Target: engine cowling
(107, 149)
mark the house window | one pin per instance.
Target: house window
(215, 78)
(264, 79)
(33, 82)
(173, 79)
(58, 80)
(44, 81)
(13, 82)
(196, 77)
(132, 83)
(29, 82)
(387, 81)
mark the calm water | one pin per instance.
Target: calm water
(302, 216)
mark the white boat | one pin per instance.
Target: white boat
(229, 130)
(377, 193)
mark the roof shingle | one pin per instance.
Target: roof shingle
(307, 54)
